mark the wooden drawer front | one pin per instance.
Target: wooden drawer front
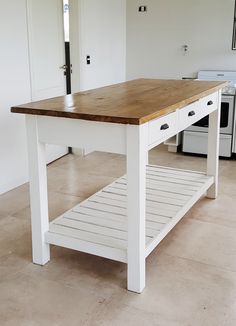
(162, 128)
(197, 110)
(209, 103)
(189, 115)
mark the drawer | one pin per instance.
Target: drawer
(197, 110)
(209, 103)
(189, 115)
(163, 128)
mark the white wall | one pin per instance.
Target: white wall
(15, 89)
(103, 37)
(101, 32)
(155, 38)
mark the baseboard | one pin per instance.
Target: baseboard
(81, 151)
(13, 184)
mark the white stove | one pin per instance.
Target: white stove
(229, 76)
(229, 90)
(195, 137)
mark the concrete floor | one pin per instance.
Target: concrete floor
(191, 276)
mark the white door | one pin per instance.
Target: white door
(103, 38)
(47, 55)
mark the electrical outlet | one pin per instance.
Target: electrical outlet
(142, 9)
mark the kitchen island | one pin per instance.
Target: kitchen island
(126, 220)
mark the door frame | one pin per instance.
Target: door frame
(76, 11)
(54, 152)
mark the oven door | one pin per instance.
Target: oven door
(226, 118)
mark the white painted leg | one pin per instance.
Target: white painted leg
(213, 149)
(136, 175)
(147, 157)
(38, 192)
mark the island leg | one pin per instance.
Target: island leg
(38, 192)
(136, 202)
(213, 149)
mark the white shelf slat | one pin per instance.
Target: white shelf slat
(98, 225)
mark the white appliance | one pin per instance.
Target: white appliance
(195, 137)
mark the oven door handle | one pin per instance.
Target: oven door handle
(210, 103)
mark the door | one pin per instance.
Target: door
(47, 56)
(103, 38)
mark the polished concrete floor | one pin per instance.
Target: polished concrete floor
(191, 276)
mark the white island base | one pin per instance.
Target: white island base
(126, 220)
(99, 224)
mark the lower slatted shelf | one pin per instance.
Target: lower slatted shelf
(98, 225)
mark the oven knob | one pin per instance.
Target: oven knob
(210, 103)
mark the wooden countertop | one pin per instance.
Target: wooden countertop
(133, 102)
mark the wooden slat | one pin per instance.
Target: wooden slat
(117, 203)
(164, 189)
(164, 211)
(92, 228)
(172, 179)
(101, 220)
(169, 226)
(105, 208)
(113, 217)
(109, 201)
(88, 236)
(151, 226)
(168, 191)
(160, 220)
(157, 218)
(98, 220)
(159, 195)
(98, 213)
(173, 184)
(168, 200)
(157, 198)
(175, 171)
(162, 186)
(161, 173)
(175, 178)
(162, 181)
(171, 187)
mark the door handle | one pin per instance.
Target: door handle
(64, 67)
(165, 126)
(191, 113)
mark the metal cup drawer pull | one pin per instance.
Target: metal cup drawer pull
(165, 126)
(191, 113)
(210, 103)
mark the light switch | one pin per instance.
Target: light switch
(88, 59)
(142, 9)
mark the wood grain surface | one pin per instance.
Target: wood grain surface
(133, 102)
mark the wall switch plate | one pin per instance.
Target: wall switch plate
(142, 9)
(88, 59)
